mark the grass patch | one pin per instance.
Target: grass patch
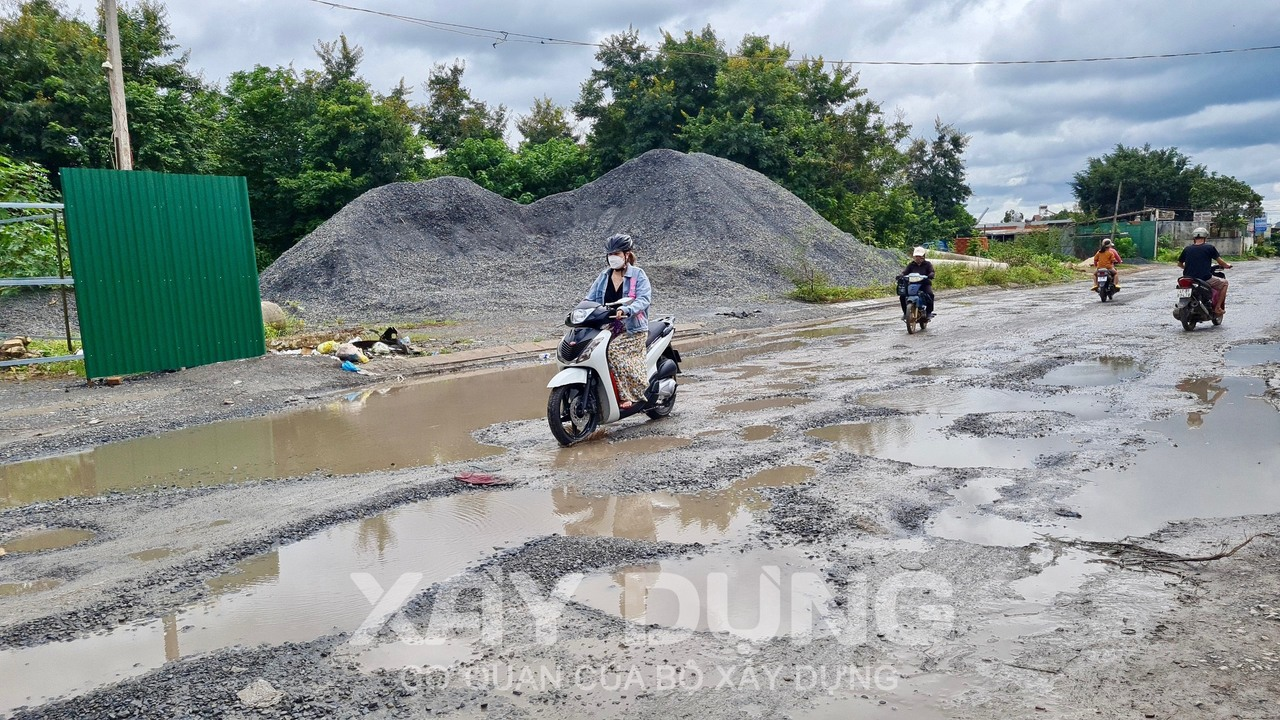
(1030, 270)
(826, 293)
(47, 348)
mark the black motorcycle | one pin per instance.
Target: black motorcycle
(1196, 300)
(1106, 283)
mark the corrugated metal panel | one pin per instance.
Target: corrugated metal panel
(164, 269)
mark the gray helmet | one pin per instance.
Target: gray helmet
(1200, 232)
(1107, 242)
(620, 242)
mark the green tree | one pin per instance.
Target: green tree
(27, 248)
(1233, 202)
(935, 171)
(1151, 178)
(545, 121)
(452, 115)
(54, 99)
(310, 143)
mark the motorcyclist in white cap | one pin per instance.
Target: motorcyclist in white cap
(919, 265)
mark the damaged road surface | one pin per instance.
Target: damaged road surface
(1005, 516)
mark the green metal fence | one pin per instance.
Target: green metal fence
(1087, 237)
(164, 270)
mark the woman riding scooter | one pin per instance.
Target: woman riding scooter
(1107, 258)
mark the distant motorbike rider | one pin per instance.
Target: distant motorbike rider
(1107, 258)
(919, 265)
(1196, 261)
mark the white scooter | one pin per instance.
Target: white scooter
(583, 396)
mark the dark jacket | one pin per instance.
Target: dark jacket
(924, 267)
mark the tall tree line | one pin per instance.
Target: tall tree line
(309, 141)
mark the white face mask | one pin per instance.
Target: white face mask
(616, 262)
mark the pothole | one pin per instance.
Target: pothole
(1254, 354)
(30, 586)
(762, 404)
(304, 590)
(758, 432)
(1093, 373)
(52, 539)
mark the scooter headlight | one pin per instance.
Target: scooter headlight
(579, 315)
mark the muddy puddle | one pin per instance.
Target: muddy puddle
(52, 539)
(1256, 354)
(762, 404)
(939, 371)
(758, 432)
(305, 590)
(965, 427)
(826, 332)
(14, 589)
(606, 454)
(744, 372)
(412, 425)
(737, 355)
(1093, 373)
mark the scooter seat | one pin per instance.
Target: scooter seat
(657, 329)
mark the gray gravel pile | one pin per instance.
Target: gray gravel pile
(710, 233)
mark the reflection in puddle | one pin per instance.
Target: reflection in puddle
(919, 440)
(737, 355)
(405, 426)
(54, 539)
(1221, 463)
(1103, 371)
(763, 404)
(1207, 390)
(601, 454)
(1256, 354)
(759, 432)
(755, 596)
(302, 591)
(826, 332)
(31, 586)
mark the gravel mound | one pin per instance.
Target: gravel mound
(709, 232)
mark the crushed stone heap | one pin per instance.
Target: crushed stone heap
(708, 231)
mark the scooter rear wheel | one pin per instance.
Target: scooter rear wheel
(1188, 325)
(664, 408)
(569, 423)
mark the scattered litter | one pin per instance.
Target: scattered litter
(1067, 513)
(93, 421)
(474, 478)
(327, 347)
(15, 348)
(350, 353)
(740, 314)
(260, 694)
(113, 381)
(352, 367)
(2, 553)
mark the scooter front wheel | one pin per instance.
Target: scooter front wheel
(567, 415)
(913, 318)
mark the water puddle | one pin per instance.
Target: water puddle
(404, 426)
(1218, 462)
(758, 432)
(54, 539)
(1256, 354)
(763, 404)
(753, 596)
(1093, 373)
(818, 333)
(28, 587)
(744, 371)
(939, 371)
(603, 454)
(965, 427)
(153, 554)
(737, 355)
(304, 590)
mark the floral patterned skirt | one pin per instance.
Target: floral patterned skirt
(626, 362)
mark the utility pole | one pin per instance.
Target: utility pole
(1115, 212)
(115, 83)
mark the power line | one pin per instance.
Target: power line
(503, 36)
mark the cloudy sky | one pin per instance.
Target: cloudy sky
(1032, 125)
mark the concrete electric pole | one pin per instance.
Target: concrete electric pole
(115, 83)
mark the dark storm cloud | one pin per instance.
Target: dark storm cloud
(1032, 126)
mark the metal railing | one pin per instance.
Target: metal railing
(62, 281)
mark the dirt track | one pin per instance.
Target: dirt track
(822, 457)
